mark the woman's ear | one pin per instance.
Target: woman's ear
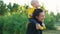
(36, 17)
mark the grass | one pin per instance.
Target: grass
(51, 32)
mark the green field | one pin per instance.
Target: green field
(51, 32)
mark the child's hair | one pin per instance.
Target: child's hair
(36, 12)
(33, 1)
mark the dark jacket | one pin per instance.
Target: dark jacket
(31, 29)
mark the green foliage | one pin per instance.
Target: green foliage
(50, 21)
(14, 19)
(14, 24)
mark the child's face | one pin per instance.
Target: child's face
(35, 4)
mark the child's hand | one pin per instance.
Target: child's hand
(30, 15)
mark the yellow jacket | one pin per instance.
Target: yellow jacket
(30, 11)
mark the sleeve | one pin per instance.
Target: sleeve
(27, 11)
(41, 27)
(30, 28)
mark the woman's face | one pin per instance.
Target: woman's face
(40, 17)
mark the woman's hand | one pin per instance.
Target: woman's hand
(44, 25)
(39, 27)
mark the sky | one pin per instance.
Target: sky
(50, 5)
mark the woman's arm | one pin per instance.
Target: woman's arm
(38, 26)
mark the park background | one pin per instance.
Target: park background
(13, 17)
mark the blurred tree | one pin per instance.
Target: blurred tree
(50, 21)
(3, 8)
(58, 17)
(15, 7)
(43, 8)
(9, 7)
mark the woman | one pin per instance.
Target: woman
(38, 15)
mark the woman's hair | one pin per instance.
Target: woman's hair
(36, 13)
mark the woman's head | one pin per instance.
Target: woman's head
(38, 14)
(35, 3)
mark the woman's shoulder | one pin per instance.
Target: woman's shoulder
(31, 24)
